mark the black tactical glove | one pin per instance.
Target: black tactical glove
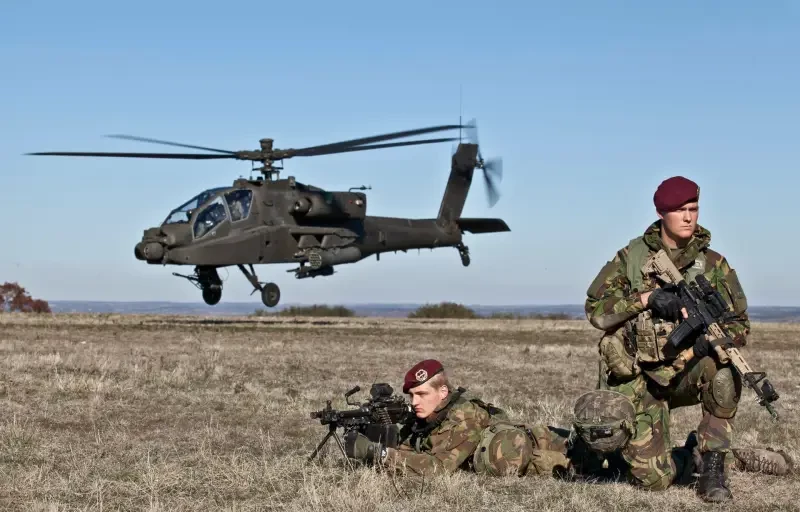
(358, 446)
(702, 347)
(665, 304)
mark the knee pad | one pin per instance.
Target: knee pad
(721, 394)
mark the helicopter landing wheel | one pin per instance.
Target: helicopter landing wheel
(212, 295)
(463, 251)
(270, 295)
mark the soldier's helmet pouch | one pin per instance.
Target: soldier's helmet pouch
(504, 449)
(617, 358)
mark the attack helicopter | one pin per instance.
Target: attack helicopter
(270, 220)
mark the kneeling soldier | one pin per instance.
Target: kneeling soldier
(637, 316)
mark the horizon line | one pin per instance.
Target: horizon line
(259, 304)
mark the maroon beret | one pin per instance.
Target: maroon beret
(421, 373)
(674, 193)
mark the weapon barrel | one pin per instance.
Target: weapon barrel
(333, 413)
(355, 413)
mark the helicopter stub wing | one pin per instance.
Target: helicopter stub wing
(322, 230)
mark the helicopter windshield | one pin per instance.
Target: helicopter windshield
(183, 212)
(214, 213)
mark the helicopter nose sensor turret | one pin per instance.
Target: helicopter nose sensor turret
(152, 252)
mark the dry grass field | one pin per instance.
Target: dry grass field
(111, 412)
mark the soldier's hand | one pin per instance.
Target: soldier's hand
(358, 446)
(666, 304)
(702, 347)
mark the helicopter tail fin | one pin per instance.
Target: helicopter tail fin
(462, 167)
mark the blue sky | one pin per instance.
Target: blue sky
(590, 104)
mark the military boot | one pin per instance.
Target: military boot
(759, 460)
(686, 461)
(711, 484)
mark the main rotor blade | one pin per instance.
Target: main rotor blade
(187, 156)
(168, 143)
(375, 138)
(347, 149)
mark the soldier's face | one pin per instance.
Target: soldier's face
(425, 399)
(681, 223)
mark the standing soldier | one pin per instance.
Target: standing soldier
(637, 316)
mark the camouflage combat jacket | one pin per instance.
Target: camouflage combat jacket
(446, 441)
(613, 299)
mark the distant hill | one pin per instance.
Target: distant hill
(757, 313)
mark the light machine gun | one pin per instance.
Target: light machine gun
(707, 312)
(377, 418)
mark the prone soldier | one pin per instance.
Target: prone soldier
(637, 316)
(453, 430)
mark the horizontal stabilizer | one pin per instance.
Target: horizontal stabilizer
(482, 225)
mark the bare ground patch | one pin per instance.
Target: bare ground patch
(111, 412)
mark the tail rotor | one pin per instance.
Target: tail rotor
(492, 168)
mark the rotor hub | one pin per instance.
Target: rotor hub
(266, 144)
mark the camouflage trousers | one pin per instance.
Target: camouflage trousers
(653, 464)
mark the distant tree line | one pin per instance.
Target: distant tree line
(454, 310)
(313, 310)
(441, 310)
(14, 297)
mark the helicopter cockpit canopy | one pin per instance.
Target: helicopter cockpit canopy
(214, 212)
(210, 217)
(182, 213)
(214, 206)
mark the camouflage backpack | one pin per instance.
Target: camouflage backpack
(605, 420)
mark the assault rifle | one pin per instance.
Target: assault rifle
(377, 418)
(707, 314)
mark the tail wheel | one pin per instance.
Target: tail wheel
(270, 295)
